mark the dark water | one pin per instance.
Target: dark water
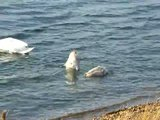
(122, 36)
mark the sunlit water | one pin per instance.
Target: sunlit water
(122, 36)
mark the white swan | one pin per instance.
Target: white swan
(72, 62)
(12, 45)
(96, 72)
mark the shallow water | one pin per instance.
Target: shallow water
(122, 36)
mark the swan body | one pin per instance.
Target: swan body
(72, 61)
(12, 45)
(96, 72)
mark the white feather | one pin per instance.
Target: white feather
(72, 61)
(12, 45)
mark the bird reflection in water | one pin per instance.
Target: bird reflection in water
(5, 57)
(71, 76)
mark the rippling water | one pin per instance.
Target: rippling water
(122, 36)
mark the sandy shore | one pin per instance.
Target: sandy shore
(150, 111)
(123, 111)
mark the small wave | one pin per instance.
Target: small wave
(2, 8)
(26, 33)
(154, 19)
(103, 15)
(19, 35)
(153, 7)
(126, 28)
(29, 12)
(73, 24)
(50, 18)
(36, 30)
(48, 43)
(7, 77)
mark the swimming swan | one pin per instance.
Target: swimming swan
(96, 72)
(72, 62)
(12, 45)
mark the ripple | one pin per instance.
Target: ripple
(122, 35)
(103, 15)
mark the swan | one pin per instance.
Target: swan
(72, 61)
(96, 72)
(14, 46)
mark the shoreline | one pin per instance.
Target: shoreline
(141, 108)
(98, 113)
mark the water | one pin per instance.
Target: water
(122, 36)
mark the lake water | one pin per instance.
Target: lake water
(121, 35)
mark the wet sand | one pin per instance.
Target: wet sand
(149, 111)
